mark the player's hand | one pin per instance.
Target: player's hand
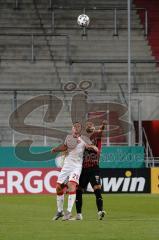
(104, 122)
(92, 147)
(95, 149)
(53, 150)
(88, 146)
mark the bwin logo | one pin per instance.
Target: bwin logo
(124, 184)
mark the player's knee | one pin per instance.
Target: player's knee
(72, 186)
(97, 187)
(59, 189)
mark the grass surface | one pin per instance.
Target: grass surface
(129, 217)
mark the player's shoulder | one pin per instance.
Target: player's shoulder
(69, 136)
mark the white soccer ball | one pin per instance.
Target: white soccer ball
(83, 20)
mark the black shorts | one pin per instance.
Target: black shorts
(91, 175)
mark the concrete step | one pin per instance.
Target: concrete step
(82, 46)
(62, 40)
(69, 13)
(75, 33)
(49, 65)
(64, 71)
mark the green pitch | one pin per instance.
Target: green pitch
(129, 217)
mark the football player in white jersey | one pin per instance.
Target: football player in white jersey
(75, 145)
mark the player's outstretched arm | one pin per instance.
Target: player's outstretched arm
(60, 148)
(102, 127)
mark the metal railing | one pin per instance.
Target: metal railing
(17, 4)
(115, 10)
(149, 158)
(153, 162)
(102, 69)
(136, 61)
(55, 8)
(32, 44)
(103, 65)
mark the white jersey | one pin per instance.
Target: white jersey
(72, 167)
(75, 148)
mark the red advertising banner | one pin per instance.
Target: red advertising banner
(28, 181)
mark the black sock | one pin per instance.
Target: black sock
(79, 201)
(99, 199)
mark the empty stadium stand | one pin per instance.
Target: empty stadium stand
(42, 49)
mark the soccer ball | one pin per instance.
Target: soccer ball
(83, 20)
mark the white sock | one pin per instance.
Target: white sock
(71, 200)
(60, 202)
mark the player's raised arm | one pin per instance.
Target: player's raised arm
(60, 148)
(101, 128)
